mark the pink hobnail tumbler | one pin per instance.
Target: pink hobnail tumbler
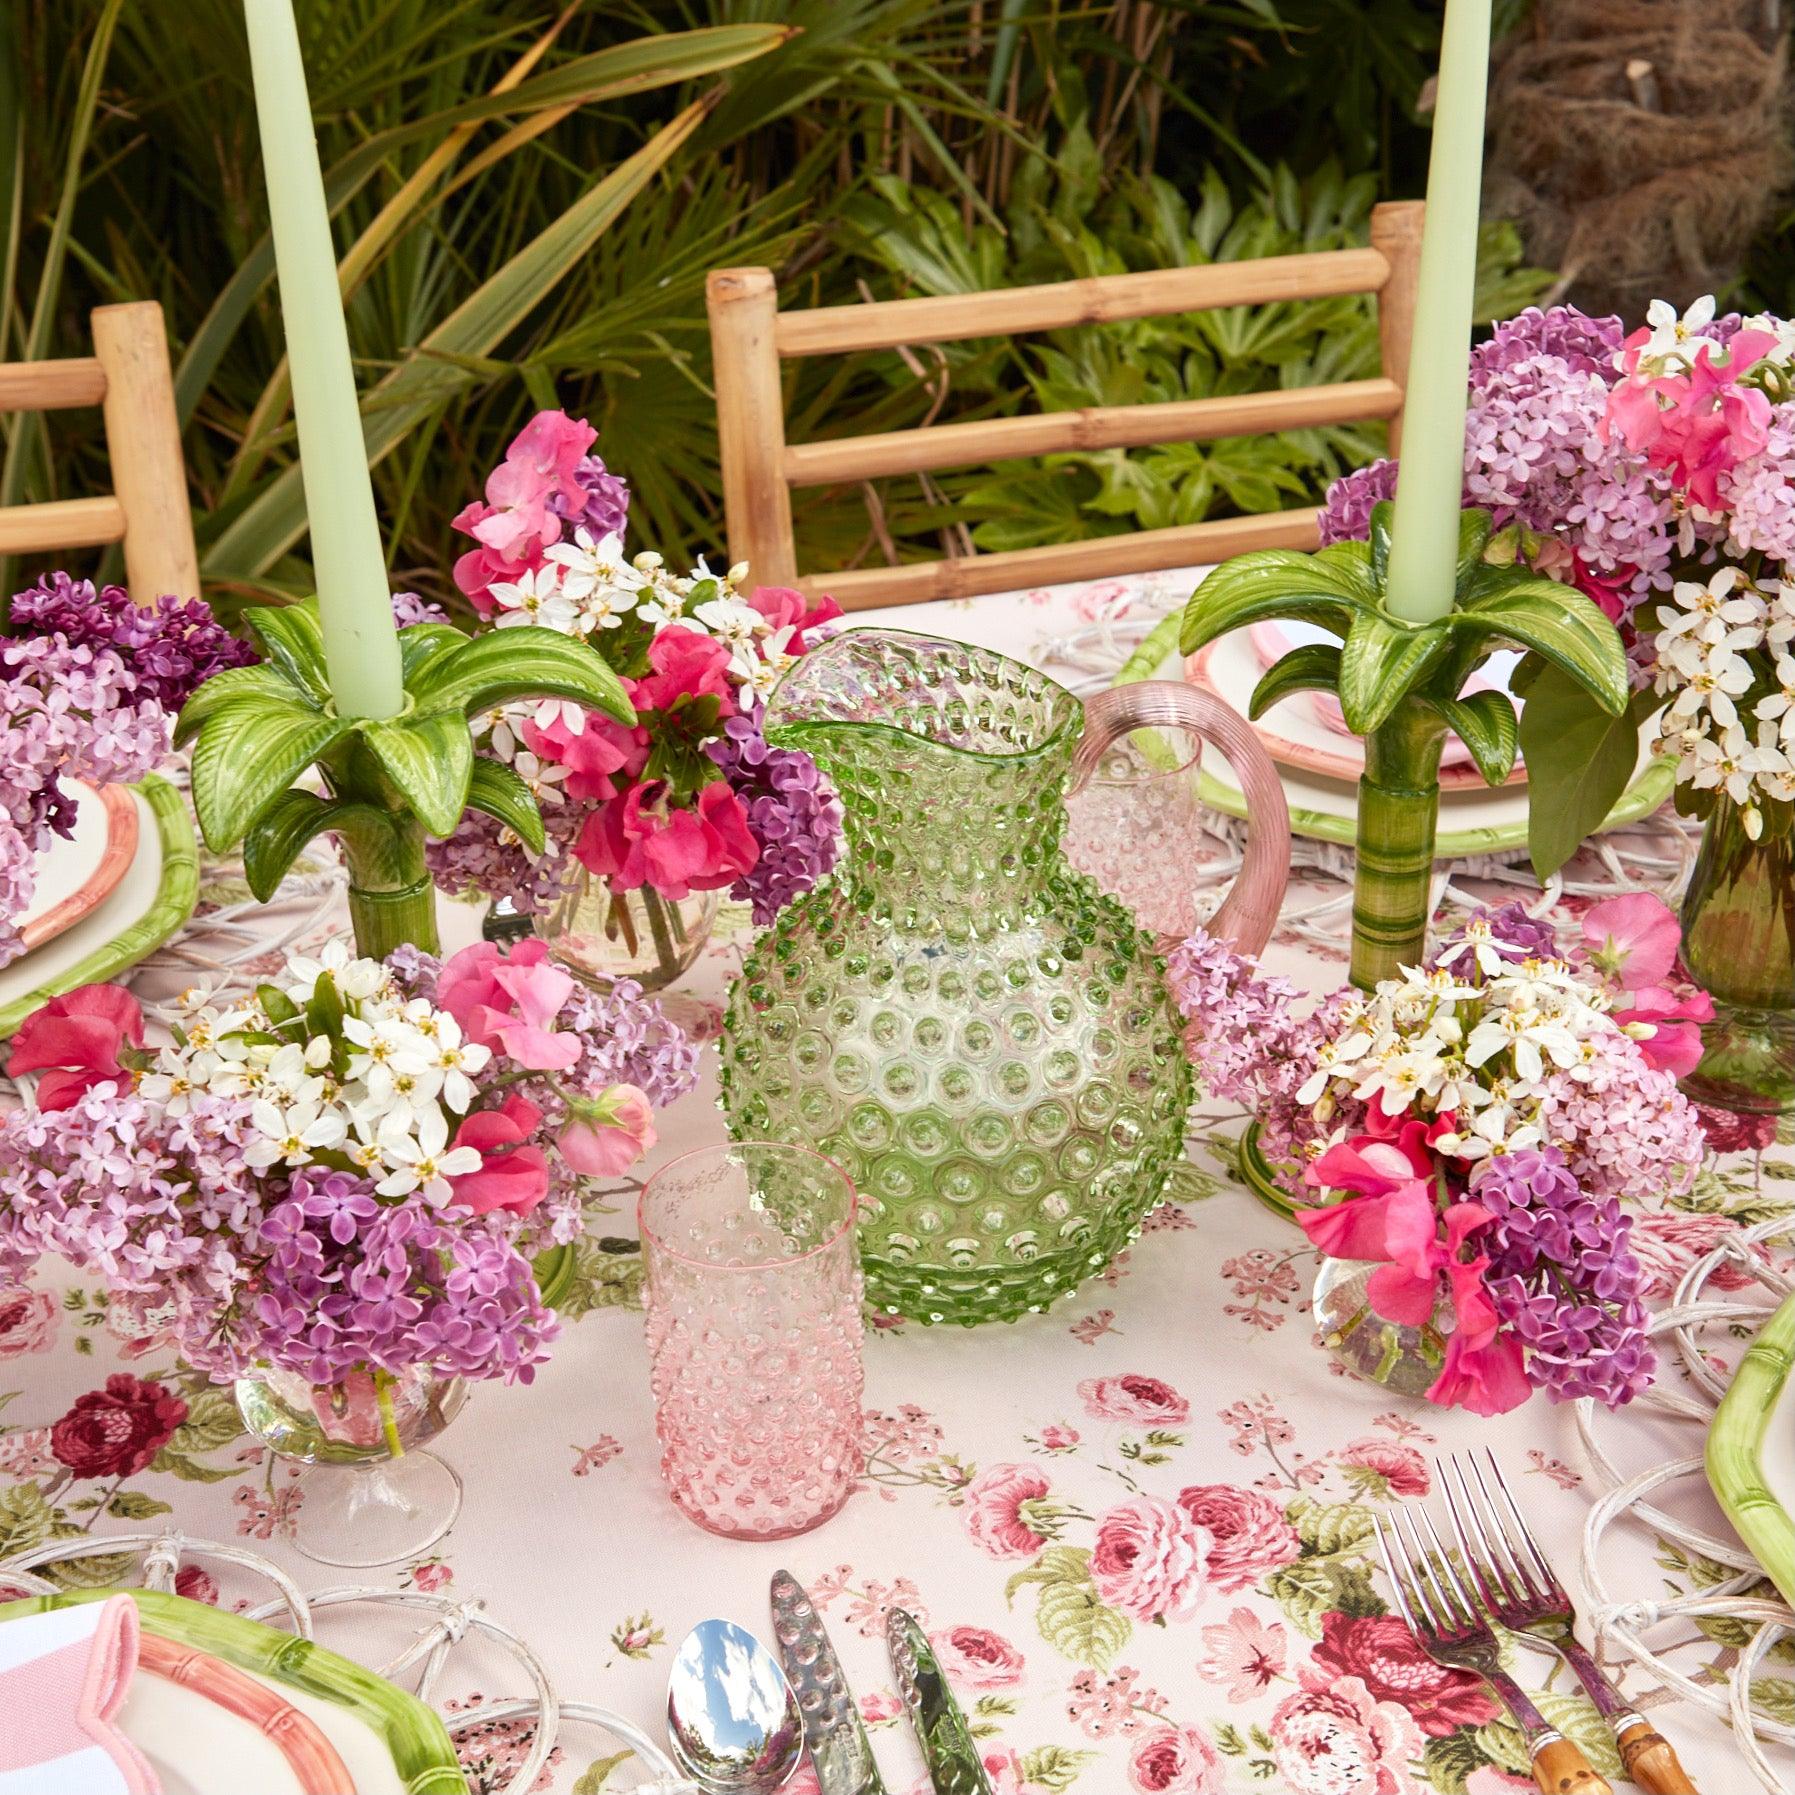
(754, 1336)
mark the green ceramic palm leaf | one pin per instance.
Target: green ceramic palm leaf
(387, 781)
(1401, 685)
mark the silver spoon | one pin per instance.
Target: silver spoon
(732, 1719)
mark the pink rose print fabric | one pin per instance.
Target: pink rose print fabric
(1137, 1528)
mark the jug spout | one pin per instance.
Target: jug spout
(951, 763)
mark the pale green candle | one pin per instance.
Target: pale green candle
(361, 646)
(1424, 531)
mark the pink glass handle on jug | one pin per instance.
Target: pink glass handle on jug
(1250, 911)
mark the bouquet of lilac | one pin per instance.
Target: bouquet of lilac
(349, 1170)
(88, 682)
(1474, 1128)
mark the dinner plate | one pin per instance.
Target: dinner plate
(77, 870)
(152, 899)
(389, 1741)
(1751, 1450)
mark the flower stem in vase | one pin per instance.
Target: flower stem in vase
(1399, 804)
(664, 925)
(389, 1421)
(620, 925)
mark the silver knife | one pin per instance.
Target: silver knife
(839, 1751)
(955, 1766)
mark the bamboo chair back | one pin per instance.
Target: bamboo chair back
(147, 511)
(751, 336)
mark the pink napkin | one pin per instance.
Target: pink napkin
(64, 1676)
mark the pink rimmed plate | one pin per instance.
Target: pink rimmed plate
(77, 872)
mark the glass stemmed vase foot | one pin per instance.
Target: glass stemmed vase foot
(369, 1494)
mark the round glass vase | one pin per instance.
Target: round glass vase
(1739, 945)
(369, 1495)
(601, 934)
(1401, 1359)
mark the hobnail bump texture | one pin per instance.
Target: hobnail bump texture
(753, 1295)
(978, 1035)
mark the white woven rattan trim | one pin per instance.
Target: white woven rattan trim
(1628, 1623)
(447, 1622)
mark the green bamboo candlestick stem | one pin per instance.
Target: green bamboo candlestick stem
(1399, 807)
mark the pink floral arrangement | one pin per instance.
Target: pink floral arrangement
(347, 1172)
(1655, 471)
(88, 683)
(1475, 1128)
(690, 798)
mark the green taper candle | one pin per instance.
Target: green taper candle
(361, 646)
(1424, 530)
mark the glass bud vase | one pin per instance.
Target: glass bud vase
(601, 934)
(369, 1495)
(1405, 1360)
(1739, 945)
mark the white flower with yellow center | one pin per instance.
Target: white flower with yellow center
(423, 1163)
(294, 1135)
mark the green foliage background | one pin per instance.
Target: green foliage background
(550, 246)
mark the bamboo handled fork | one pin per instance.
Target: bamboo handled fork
(1447, 1624)
(1521, 1592)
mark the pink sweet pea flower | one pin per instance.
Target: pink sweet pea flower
(1633, 938)
(543, 459)
(785, 609)
(74, 1041)
(686, 665)
(528, 1035)
(1675, 1043)
(1487, 1379)
(639, 839)
(602, 749)
(514, 1172)
(1356, 1229)
(605, 1138)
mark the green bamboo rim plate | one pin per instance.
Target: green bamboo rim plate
(1751, 1450)
(415, 1738)
(134, 919)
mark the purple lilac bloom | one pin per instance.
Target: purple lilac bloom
(599, 502)
(1586, 345)
(484, 856)
(410, 608)
(791, 812)
(1760, 494)
(1233, 1012)
(1563, 1277)
(1346, 513)
(1514, 936)
(171, 647)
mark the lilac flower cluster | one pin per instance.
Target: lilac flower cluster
(1563, 1276)
(484, 855)
(171, 647)
(1584, 344)
(792, 814)
(349, 1282)
(410, 608)
(1760, 494)
(599, 504)
(67, 711)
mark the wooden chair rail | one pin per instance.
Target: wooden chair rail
(846, 458)
(61, 523)
(51, 385)
(1139, 551)
(1099, 299)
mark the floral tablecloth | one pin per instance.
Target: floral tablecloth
(1136, 1527)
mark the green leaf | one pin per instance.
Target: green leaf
(528, 662)
(430, 758)
(134, 1505)
(1383, 515)
(213, 1420)
(1326, 1528)
(1473, 538)
(1054, 1767)
(1327, 589)
(421, 643)
(1315, 667)
(1070, 1616)
(1450, 1761)
(1579, 761)
(1485, 722)
(596, 1774)
(248, 753)
(1313, 1587)
(94, 1570)
(1568, 629)
(1575, 1716)
(499, 792)
(225, 688)
(25, 1519)
(324, 1008)
(188, 1470)
(292, 637)
(1381, 663)
(283, 828)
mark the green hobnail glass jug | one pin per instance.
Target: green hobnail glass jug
(977, 1034)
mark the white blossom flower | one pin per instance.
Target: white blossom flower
(292, 1134)
(1675, 339)
(425, 1163)
(535, 597)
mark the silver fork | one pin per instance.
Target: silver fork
(1520, 1589)
(1447, 1625)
